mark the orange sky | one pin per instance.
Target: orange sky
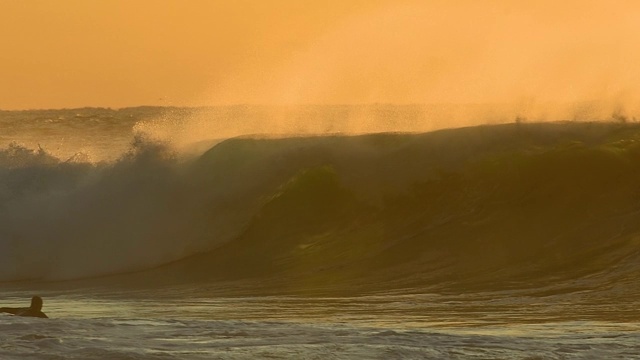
(116, 53)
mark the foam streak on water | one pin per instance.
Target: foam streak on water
(374, 327)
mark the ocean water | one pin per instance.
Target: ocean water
(504, 241)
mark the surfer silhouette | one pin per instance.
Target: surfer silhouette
(35, 310)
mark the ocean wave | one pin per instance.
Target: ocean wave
(506, 206)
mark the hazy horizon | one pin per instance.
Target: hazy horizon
(296, 179)
(116, 54)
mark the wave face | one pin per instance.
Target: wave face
(551, 207)
(555, 207)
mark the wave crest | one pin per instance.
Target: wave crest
(489, 206)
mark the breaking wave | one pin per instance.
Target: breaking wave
(546, 206)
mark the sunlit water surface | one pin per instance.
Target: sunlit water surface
(163, 325)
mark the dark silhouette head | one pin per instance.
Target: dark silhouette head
(36, 303)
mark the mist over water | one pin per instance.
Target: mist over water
(474, 196)
(336, 211)
(148, 230)
(537, 57)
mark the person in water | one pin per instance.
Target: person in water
(35, 310)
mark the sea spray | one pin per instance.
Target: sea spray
(481, 207)
(74, 220)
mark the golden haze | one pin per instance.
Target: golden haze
(117, 53)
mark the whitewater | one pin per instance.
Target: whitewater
(146, 240)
